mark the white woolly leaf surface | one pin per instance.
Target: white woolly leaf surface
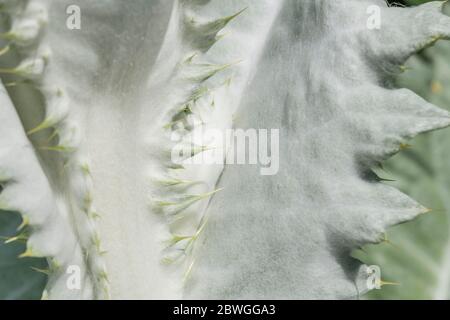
(115, 92)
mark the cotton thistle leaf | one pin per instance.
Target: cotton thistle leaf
(30, 194)
(129, 94)
(419, 258)
(318, 207)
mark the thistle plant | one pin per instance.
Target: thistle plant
(416, 254)
(90, 117)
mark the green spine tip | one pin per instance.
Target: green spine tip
(190, 58)
(199, 149)
(103, 276)
(211, 192)
(237, 13)
(53, 135)
(185, 201)
(19, 82)
(202, 227)
(167, 260)
(221, 23)
(404, 68)
(175, 239)
(96, 242)
(385, 179)
(8, 71)
(4, 50)
(94, 215)
(44, 271)
(54, 264)
(86, 170)
(212, 70)
(404, 146)
(175, 182)
(25, 223)
(388, 283)
(59, 148)
(175, 218)
(197, 93)
(87, 200)
(161, 203)
(174, 166)
(227, 82)
(47, 123)
(21, 237)
(27, 254)
(188, 272)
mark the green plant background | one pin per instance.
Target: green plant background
(416, 255)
